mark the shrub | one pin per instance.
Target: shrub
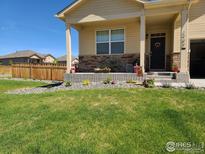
(166, 85)
(131, 81)
(190, 86)
(86, 82)
(10, 62)
(107, 81)
(149, 83)
(68, 84)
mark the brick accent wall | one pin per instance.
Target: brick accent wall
(118, 63)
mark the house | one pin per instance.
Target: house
(26, 56)
(48, 58)
(156, 34)
(63, 60)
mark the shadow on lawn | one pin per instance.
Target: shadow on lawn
(175, 119)
(52, 85)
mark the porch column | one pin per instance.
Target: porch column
(142, 42)
(184, 41)
(68, 47)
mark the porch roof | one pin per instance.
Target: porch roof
(146, 3)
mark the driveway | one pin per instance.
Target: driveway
(198, 82)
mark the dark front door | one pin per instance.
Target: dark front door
(157, 56)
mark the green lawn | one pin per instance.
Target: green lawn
(10, 84)
(100, 121)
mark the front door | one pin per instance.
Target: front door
(157, 55)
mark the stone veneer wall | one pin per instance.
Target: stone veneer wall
(118, 63)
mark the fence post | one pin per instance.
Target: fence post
(51, 73)
(30, 71)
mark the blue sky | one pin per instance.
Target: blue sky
(30, 24)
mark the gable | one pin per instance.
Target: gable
(35, 57)
(99, 10)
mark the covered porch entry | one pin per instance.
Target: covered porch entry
(157, 41)
(166, 42)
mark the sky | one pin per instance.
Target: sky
(30, 24)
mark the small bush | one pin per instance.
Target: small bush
(68, 84)
(86, 82)
(149, 83)
(190, 86)
(107, 81)
(131, 81)
(166, 85)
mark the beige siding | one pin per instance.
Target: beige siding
(98, 10)
(177, 34)
(197, 20)
(87, 36)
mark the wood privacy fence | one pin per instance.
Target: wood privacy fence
(39, 71)
(5, 70)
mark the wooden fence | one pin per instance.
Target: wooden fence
(39, 71)
(5, 70)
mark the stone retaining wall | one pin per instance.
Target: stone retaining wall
(100, 77)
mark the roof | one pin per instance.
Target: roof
(78, 1)
(64, 58)
(67, 7)
(61, 13)
(23, 54)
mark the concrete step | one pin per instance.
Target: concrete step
(161, 76)
(161, 73)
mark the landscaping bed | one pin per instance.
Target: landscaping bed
(106, 84)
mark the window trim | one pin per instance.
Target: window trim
(110, 42)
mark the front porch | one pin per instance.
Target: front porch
(154, 41)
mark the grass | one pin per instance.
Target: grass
(11, 84)
(100, 121)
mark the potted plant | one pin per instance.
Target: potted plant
(175, 68)
(102, 70)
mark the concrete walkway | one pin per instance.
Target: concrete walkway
(198, 82)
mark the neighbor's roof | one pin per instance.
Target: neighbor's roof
(64, 58)
(23, 54)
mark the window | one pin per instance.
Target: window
(102, 40)
(110, 41)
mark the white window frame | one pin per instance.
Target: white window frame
(110, 41)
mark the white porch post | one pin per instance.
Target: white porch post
(184, 41)
(142, 42)
(68, 47)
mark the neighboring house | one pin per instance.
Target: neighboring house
(155, 34)
(63, 60)
(26, 56)
(48, 58)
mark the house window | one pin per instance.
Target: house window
(110, 41)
